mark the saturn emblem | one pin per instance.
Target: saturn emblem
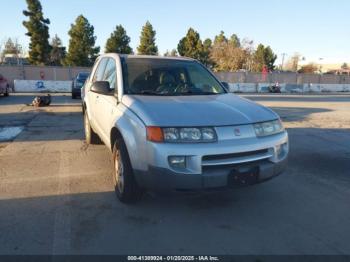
(237, 132)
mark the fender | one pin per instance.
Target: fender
(133, 132)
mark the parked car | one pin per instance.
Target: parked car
(4, 86)
(78, 83)
(171, 125)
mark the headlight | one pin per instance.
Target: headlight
(189, 134)
(268, 128)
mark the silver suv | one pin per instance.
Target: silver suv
(171, 125)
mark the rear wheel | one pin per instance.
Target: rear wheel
(90, 136)
(125, 185)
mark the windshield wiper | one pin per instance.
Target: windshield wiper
(148, 92)
(189, 92)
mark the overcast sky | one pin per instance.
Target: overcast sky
(314, 28)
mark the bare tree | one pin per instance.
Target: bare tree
(11, 47)
(293, 63)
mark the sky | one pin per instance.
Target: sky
(314, 28)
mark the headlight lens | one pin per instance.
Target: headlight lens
(189, 134)
(171, 134)
(268, 128)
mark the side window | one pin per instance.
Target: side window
(110, 73)
(98, 76)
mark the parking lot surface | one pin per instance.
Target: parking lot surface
(56, 193)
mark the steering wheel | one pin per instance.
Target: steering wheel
(163, 89)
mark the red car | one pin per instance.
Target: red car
(4, 86)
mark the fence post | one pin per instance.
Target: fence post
(70, 72)
(54, 73)
(23, 72)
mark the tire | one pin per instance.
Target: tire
(74, 96)
(6, 92)
(91, 137)
(125, 185)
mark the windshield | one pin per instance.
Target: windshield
(81, 78)
(154, 76)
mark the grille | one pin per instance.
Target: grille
(234, 155)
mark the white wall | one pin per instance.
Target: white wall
(42, 86)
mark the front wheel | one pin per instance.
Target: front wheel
(125, 185)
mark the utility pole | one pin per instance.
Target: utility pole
(283, 55)
(320, 63)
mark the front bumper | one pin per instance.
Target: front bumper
(210, 166)
(160, 179)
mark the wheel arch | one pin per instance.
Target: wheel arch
(114, 136)
(84, 107)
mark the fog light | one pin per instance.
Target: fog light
(281, 150)
(177, 161)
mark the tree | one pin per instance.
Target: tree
(118, 42)
(227, 55)
(58, 52)
(191, 46)
(248, 46)
(221, 38)
(147, 41)
(234, 40)
(293, 63)
(344, 66)
(173, 52)
(38, 31)
(11, 47)
(207, 46)
(82, 50)
(270, 58)
(264, 56)
(308, 69)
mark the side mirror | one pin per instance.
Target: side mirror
(225, 84)
(101, 87)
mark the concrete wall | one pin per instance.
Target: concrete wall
(55, 73)
(288, 88)
(238, 81)
(34, 86)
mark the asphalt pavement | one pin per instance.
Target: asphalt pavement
(56, 193)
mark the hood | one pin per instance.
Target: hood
(197, 110)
